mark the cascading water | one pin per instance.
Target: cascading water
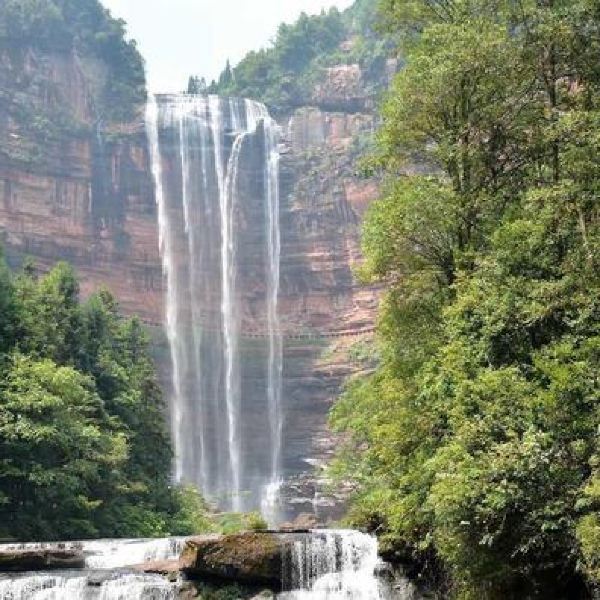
(215, 163)
(73, 586)
(113, 554)
(337, 565)
(97, 581)
(318, 565)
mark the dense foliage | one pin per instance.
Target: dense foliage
(475, 444)
(60, 26)
(84, 450)
(284, 75)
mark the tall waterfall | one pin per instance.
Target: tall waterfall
(215, 163)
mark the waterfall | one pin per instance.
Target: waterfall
(40, 586)
(97, 582)
(337, 565)
(73, 586)
(215, 163)
(332, 564)
(113, 554)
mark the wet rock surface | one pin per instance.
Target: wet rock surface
(20, 561)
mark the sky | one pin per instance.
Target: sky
(179, 38)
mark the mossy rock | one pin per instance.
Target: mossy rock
(252, 557)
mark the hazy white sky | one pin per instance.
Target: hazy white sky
(183, 37)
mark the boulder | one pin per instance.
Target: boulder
(304, 522)
(254, 558)
(43, 559)
(167, 568)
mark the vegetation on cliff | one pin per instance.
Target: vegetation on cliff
(84, 449)
(475, 444)
(283, 76)
(64, 66)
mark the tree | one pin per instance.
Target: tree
(7, 307)
(226, 77)
(57, 450)
(474, 445)
(49, 312)
(196, 85)
(84, 447)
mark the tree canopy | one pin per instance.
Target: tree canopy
(475, 444)
(284, 74)
(84, 449)
(87, 27)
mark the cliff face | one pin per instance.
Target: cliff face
(87, 197)
(77, 191)
(329, 317)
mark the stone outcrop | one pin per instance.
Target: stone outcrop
(250, 558)
(42, 559)
(341, 88)
(85, 193)
(324, 309)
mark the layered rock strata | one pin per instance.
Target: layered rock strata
(88, 198)
(82, 194)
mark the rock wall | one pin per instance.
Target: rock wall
(88, 198)
(326, 313)
(80, 192)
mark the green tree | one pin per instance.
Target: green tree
(85, 372)
(284, 74)
(7, 308)
(475, 443)
(49, 311)
(58, 448)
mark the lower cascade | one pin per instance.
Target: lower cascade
(70, 586)
(335, 564)
(113, 554)
(103, 578)
(317, 565)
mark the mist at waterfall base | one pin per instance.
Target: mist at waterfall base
(215, 163)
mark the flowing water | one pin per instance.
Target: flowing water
(337, 565)
(85, 586)
(215, 163)
(104, 577)
(113, 554)
(321, 565)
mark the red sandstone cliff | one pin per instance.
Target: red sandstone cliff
(87, 197)
(72, 194)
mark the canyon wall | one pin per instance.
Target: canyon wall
(328, 315)
(76, 189)
(88, 197)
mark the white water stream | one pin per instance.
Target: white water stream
(70, 586)
(97, 581)
(336, 565)
(215, 163)
(322, 565)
